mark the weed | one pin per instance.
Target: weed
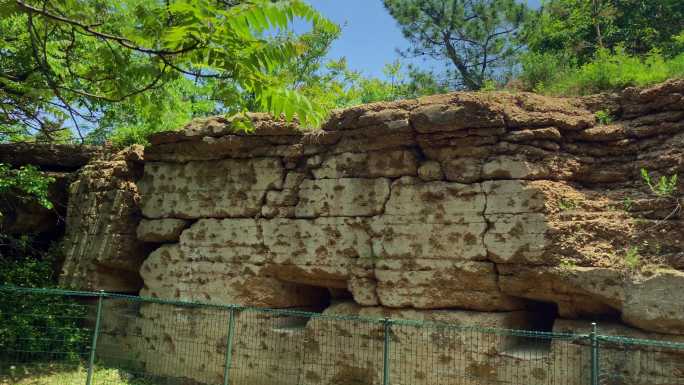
(567, 204)
(665, 187)
(567, 263)
(632, 257)
(489, 86)
(627, 204)
(603, 117)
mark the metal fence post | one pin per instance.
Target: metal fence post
(594, 354)
(96, 333)
(229, 346)
(386, 352)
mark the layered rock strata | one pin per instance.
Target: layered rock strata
(468, 201)
(101, 246)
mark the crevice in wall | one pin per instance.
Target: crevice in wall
(488, 226)
(340, 295)
(543, 316)
(536, 344)
(297, 321)
(387, 199)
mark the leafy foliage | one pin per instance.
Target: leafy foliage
(333, 85)
(161, 109)
(357, 89)
(632, 257)
(578, 47)
(80, 60)
(36, 323)
(23, 321)
(52, 375)
(540, 70)
(609, 71)
(664, 187)
(26, 183)
(477, 36)
(578, 29)
(567, 204)
(603, 117)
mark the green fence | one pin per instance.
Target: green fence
(54, 337)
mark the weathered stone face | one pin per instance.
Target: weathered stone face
(223, 189)
(161, 230)
(344, 197)
(101, 248)
(487, 202)
(652, 303)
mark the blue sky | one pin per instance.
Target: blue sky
(370, 37)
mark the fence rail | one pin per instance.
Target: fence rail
(77, 338)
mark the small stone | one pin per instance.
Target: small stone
(135, 153)
(364, 291)
(430, 171)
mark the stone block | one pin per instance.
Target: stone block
(345, 197)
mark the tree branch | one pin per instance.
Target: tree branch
(118, 39)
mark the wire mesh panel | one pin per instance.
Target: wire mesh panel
(44, 333)
(448, 355)
(161, 343)
(290, 347)
(267, 348)
(343, 350)
(80, 338)
(640, 362)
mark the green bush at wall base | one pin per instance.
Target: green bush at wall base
(36, 323)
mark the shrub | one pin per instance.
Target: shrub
(36, 327)
(541, 69)
(128, 135)
(33, 326)
(26, 183)
(609, 71)
(664, 187)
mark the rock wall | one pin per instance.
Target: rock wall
(101, 247)
(466, 206)
(467, 201)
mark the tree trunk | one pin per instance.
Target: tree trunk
(596, 18)
(471, 82)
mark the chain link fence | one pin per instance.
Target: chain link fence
(57, 337)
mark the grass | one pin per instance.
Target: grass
(609, 71)
(632, 258)
(60, 375)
